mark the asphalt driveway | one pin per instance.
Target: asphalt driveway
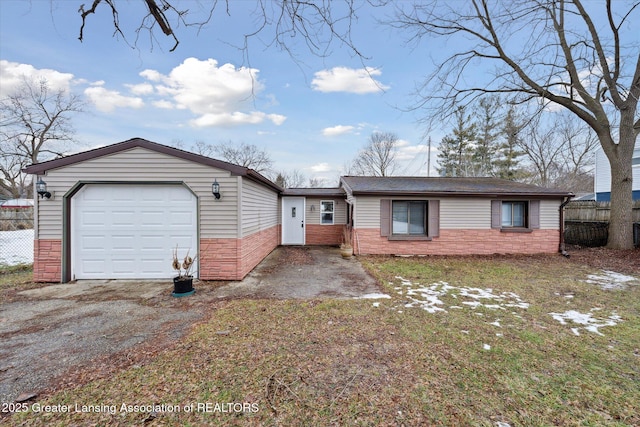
(54, 335)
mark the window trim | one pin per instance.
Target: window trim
(333, 212)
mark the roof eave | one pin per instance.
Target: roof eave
(460, 193)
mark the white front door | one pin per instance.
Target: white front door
(130, 231)
(293, 220)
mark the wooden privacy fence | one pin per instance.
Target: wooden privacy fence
(589, 210)
(587, 222)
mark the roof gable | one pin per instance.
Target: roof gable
(39, 168)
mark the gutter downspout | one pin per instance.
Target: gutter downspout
(561, 209)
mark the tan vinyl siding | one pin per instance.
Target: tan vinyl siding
(367, 212)
(313, 216)
(550, 214)
(465, 213)
(218, 218)
(455, 212)
(259, 208)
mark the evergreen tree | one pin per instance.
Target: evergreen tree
(456, 150)
(509, 156)
(486, 147)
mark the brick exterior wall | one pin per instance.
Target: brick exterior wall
(47, 260)
(256, 247)
(218, 259)
(233, 259)
(317, 234)
(459, 242)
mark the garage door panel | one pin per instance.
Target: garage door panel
(93, 267)
(122, 242)
(183, 218)
(94, 218)
(130, 231)
(123, 267)
(123, 218)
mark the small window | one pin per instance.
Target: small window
(514, 214)
(409, 217)
(326, 212)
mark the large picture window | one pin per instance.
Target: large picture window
(409, 217)
(514, 214)
(326, 211)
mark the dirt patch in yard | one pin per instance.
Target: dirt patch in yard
(622, 261)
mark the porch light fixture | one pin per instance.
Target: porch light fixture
(41, 188)
(215, 189)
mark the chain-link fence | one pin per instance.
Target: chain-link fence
(16, 236)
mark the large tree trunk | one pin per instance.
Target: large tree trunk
(620, 222)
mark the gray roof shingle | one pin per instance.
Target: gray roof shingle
(402, 185)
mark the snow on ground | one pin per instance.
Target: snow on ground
(374, 296)
(16, 247)
(428, 297)
(610, 280)
(588, 322)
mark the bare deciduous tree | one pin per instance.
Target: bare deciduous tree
(579, 56)
(35, 125)
(294, 179)
(378, 157)
(247, 155)
(559, 153)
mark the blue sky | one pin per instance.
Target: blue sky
(310, 113)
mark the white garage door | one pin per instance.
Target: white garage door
(130, 231)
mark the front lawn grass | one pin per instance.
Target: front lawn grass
(379, 362)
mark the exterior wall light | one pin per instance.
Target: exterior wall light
(41, 188)
(215, 189)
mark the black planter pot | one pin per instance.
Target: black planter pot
(183, 286)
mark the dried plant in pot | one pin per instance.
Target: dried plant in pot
(183, 282)
(346, 248)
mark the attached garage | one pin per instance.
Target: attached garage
(128, 231)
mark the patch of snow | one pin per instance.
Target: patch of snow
(374, 296)
(486, 347)
(428, 297)
(502, 424)
(590, 323)
(496, 323)
(376, 304)
(16, 247)
(610, 280)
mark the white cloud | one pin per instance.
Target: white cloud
(320, 167)
(141, 89)
(343, 79)
(337, 130)
(167, 105)
(218, 95)
(236, 118)
(14, 74)
(108, 100)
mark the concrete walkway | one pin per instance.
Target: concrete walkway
(303, 272)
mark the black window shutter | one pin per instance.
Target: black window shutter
(496, 214)
(385, 217)
(433, 229)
